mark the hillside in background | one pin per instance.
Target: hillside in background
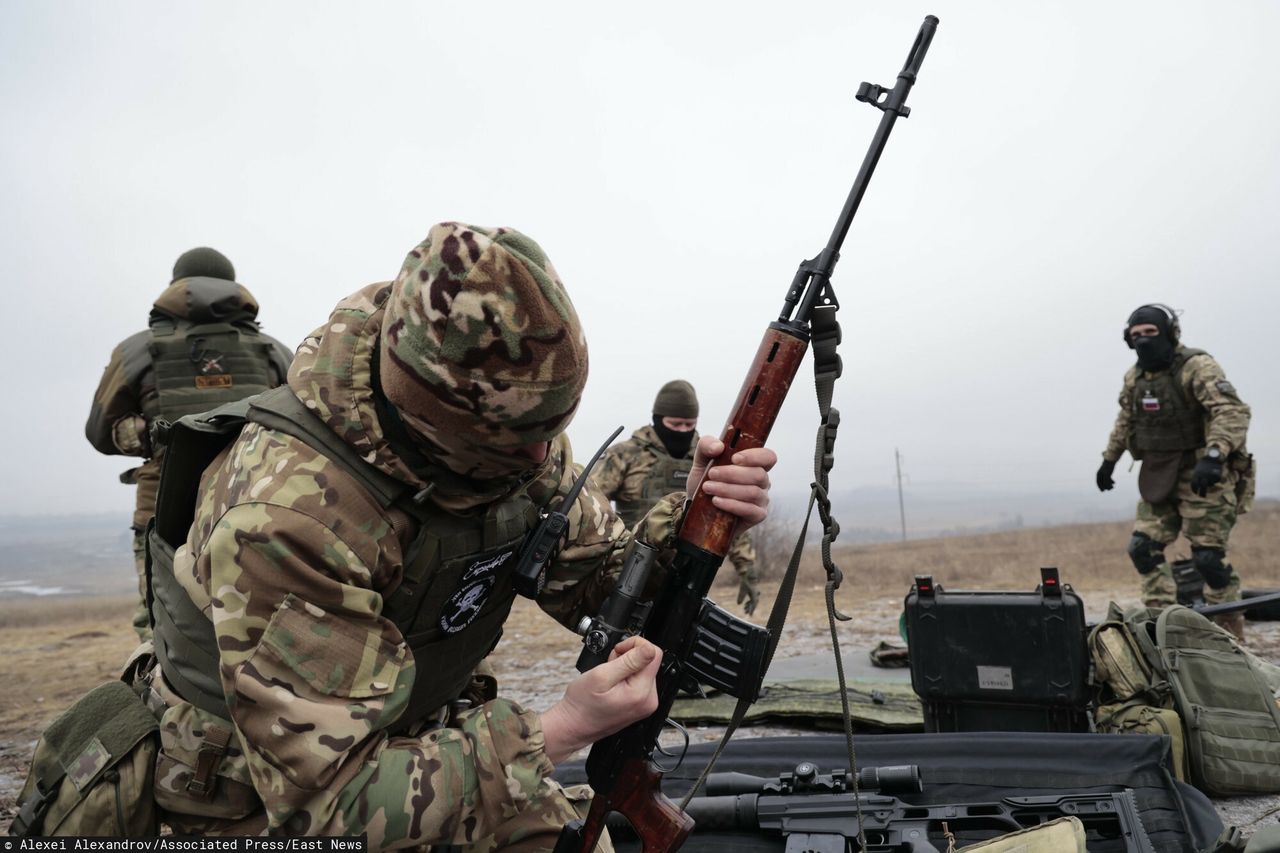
(984, 535)
(70, 554)
(1088, 555)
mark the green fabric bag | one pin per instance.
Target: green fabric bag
(1226, 703)
(1064, 835)
(1134, 717)
(93, 770)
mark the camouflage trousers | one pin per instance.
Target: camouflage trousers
(1206, 522)
(141, 619)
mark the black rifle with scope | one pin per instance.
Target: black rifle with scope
(817, 813)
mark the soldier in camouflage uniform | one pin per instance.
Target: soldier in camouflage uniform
(347, 630)
(1185, 422)
(656, 460)
(202, 295)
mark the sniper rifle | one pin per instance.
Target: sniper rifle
(699, 641)
(817, 813)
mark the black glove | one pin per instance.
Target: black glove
(1105, 483)
(1208, 473)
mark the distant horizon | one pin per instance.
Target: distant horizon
(864, 512)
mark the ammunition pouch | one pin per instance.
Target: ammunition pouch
(93, 772)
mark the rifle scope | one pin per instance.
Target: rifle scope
(898, 779)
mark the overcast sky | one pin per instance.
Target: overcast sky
(1064, 162)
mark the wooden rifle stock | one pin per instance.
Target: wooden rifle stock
(619, 768)
(637, 795)
(759, 401)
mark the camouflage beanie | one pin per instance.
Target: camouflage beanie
(676, 399)
(480, 340)
(203, 261)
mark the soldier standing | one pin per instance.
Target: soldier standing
(203, 348)
(655, 461)
(1183, 420)
(320, 667)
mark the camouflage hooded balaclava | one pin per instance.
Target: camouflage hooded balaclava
(203, 261)
(481, 348)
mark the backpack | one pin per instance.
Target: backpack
(93, 770)
(1223, 694)
(1134, 698)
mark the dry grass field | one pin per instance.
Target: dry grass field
(54, 649)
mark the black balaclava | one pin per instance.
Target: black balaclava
(1155, 352)
(677, 443)
(676, 399)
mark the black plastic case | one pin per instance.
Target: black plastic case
(999, 661)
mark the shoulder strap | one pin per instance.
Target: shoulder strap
(191, 443)
(1179, 362)
(280, 409)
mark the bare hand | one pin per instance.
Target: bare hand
(740, 488)
(604, 700)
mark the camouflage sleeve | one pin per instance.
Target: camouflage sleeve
(610, 471)
(1204, 379)
(742, 554)
(587, 567)
(1119, 439)
(111, 428)
(313, 673)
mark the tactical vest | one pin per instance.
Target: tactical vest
(667, 475)
(201, 366)
(450, 606)
(1162, 417)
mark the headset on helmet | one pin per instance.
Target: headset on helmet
(1175, 328)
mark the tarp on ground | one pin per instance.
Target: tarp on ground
(813, 703)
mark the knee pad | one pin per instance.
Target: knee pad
(1211, 565)
(1147, 554)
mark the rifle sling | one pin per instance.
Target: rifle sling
(827, 367)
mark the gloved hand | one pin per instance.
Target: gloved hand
(1207, 474)
(1105, 483)
(749, 591)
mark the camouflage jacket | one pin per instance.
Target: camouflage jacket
(1203, 380)
(292, 559)
(116, 424)
(621, 475)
